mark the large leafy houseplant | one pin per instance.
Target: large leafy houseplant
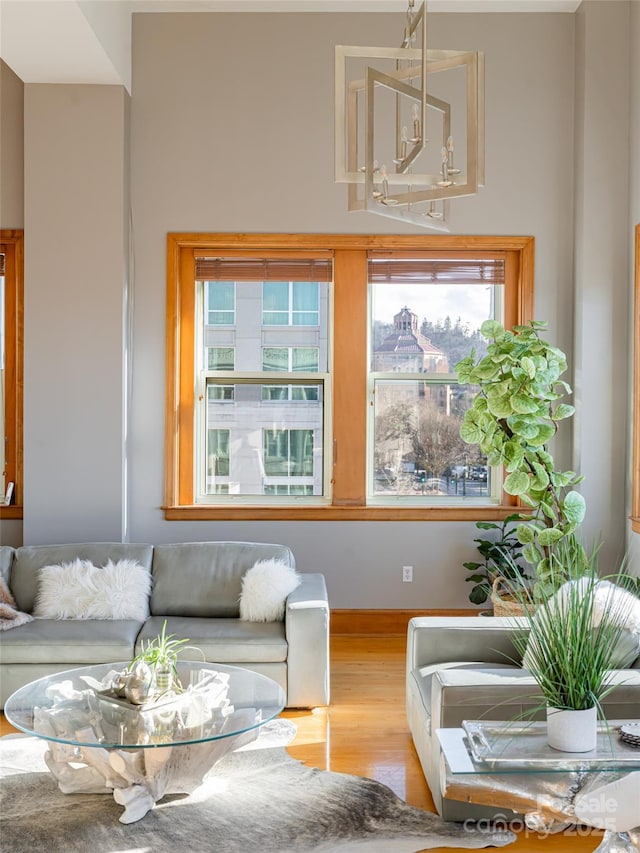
(513, 417)
(499, 550)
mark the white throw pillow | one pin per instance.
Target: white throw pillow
(265, 588)
(80, 590)
(621, 606)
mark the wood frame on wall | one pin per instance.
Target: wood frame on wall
(349, 357)
(12, 246)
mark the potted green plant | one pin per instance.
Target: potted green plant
(513, 417)
(573, 642)
(156, 663)
(500, 551)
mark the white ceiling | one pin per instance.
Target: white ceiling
(89, 41)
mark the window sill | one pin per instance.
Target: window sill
(12, 511)
(335, 513)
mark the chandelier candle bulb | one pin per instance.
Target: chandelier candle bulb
(415, 113)
(450, 167)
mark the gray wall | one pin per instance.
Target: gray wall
(11, 148)
(232, 130)
(602, 234)
(76, 204)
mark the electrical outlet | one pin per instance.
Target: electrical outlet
(407, 574)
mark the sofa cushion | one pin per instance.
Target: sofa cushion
(29, 559)
(204, 579)
(69, 642)
(223, 640)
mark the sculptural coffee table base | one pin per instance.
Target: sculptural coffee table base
(100, 744)
(139, 778)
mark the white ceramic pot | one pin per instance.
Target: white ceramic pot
(572, 731)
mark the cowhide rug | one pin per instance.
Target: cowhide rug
(256, 800)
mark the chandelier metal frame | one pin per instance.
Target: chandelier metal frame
(420, 198)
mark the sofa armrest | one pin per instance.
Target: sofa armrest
(445, 639)
(307, 631)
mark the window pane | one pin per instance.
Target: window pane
(275, 392)
(428, 328)
(304, 358)
(301, 452)
(220, 358)
(417, 445)
(287, 490)
(220, 392)
(304, 392)
(290, 359)
(288, 451)
(217, 454)
(258, 442)
(293, 303)
(275, 303)
(305, 303)
(220, 303)
(275, 358)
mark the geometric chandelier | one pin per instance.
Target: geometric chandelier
(398, 146)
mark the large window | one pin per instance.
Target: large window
(313, 377)
(11, 296)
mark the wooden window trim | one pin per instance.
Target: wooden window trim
(12, 245)
(349, 356)
(635, 496)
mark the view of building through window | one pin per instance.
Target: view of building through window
(263, 435)
(419, 332)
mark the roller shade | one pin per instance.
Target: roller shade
(263, 269)
(407, 270)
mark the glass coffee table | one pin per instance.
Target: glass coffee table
(98, 742)
(510, 764)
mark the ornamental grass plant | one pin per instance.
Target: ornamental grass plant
(575, 636)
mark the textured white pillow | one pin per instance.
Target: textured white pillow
(622, 608)
(80, 590)
(265, 588)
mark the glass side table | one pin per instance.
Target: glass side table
(511, 764)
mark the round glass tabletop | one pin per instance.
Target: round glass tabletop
(81, 708)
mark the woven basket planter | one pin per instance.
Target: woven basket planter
(504, 603)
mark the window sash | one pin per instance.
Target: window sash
(407, 360)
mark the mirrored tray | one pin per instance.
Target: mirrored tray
(514, 745)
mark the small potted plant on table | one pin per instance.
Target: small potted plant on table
(154, 671)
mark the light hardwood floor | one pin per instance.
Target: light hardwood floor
(364, 731)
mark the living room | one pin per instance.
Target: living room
(221, 122)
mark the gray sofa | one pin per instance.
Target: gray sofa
(467, 668)
(196, 587)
